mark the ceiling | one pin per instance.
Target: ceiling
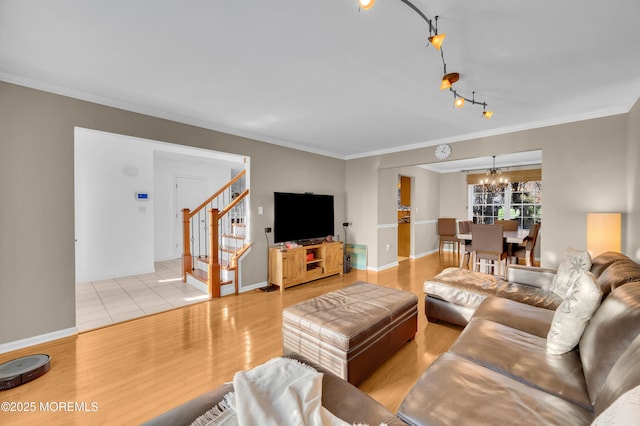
(325, 77)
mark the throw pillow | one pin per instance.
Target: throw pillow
(624, 411)
(573, 314)
(573, 262)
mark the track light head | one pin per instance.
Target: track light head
(448, 80)
(366, 4)
(436, 40)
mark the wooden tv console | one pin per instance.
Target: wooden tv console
(293, 266)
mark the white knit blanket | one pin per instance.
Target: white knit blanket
(279, 392)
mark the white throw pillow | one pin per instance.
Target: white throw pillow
(624, 411)
(573, 262)
(573, 314)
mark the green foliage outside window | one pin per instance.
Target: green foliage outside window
(521, 201)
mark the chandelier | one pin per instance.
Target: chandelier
(436, 40)
(494, 181)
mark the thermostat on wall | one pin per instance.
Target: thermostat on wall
(142, 196)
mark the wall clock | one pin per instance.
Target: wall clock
(443, 151)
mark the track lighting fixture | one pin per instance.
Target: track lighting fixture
(436, 40)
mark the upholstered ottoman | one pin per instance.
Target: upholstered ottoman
(351, 331)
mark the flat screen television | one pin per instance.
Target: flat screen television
(302, 217)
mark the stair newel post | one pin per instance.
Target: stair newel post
(187, 263)
(214, 263)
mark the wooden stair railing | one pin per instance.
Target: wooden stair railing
(215, 216)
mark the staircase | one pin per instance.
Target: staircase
(215, 238)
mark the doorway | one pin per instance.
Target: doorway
(404, 217)
(190, 192)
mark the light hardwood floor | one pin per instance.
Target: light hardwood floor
(130, 372)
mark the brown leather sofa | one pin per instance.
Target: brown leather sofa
(454, 294)
(499, 372)
(338, 396)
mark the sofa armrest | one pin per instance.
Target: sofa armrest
(531, 275)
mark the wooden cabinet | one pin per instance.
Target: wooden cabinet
(289, 267)
(405, 191)
(333, 256)
(291, 263)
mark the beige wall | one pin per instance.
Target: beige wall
(454, 197)
(37, 283)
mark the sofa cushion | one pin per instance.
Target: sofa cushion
(624, 376)
(619, 273)
(523, 358)
(462, 287)
(572, 263)
(611, 330)
(604, 260)
(457, 391)
(574, 312)
(530, 319)
(530, 295)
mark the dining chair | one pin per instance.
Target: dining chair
(507, 225)
(464, 226)
(526, 250)
(488, 245)
(447, 234)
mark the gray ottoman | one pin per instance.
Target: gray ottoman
(352, 331)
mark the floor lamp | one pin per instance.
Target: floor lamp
(604, 233)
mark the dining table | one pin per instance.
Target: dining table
(510, 237)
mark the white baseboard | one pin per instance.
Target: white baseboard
(35, 340)
(426, 253)
(383, 267)
(255, 286)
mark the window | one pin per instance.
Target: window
(521, 201)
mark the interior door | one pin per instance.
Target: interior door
(190, 193)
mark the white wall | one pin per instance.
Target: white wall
(113, 230)
(165, 172)
(116, 234)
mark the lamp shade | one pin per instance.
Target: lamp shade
(437, 40)
(604, 232)
(366, 4)
(445, 84)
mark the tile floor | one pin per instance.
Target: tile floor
(107, 302)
